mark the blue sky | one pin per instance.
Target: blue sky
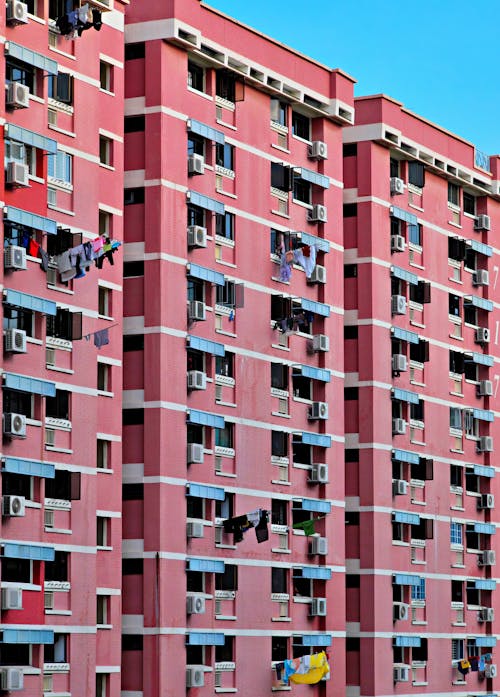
(439, 57)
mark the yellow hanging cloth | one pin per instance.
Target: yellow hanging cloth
(318, 668)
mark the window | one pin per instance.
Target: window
(469, 203)
(196, 77)
(470, 260)
(350, 210)
(57, 570)
(58, 407)
(102, 609)
(471, 425)
(105, 151)
(456, 364)
(195, 290)
(103, 455)
(456, 475)
(105, 220)
(21, 72)
(227, 581)
(17, 485)
(419, 352)
(195, 215)
(134, 196)
(470, 371)
(416, 174)
(195, 360)
(224, 365)
(351, 393)
(453, 194)
(279, 112)
(417, 411)
(454, 305)
(228, 87)
(302, 190)
(133, 567)
(281, 177)
(196, 145)
(456, 533)
(106, 74)
(470, 314)
(279, 376)
(103, 377)
(66, 486)
(225, 653)
(133, 492)
(195, 655)
(57, 8)
(133, 417)
(65, 325)
(279, 580)
(135, 124)
(350, 150)
(302, 385)
(195, 434)
(424, 530)
(473, 538)
(224, 437)
(456, 248)
(421, 292)
(231, 294)
(17, 571)
(19, 319)
(415, 235)
(195, 508)
(394, 167)
(302, 587)
(457, 591)
(133, 269)
(18, 403)
(472, 481)
(225, 508)
(301, 125)
(279, 512)
(224, 225)
(133, 342)
(101, 684)
(457, 649)
(60, 167)
(302, 452)
(224, 155)
(103, 532)
(61, 88)
(418, 592)
(279, 444)
(473, 594)
(350, 270)
(104, 301)
(279, 648)
(58, 651)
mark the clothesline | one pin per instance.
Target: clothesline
(101, 336)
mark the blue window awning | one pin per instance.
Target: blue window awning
(34, 552)
(483, 415)
(319, 572)
(213, 347)
(406, 456)
(205, 274)
(201, 129)
(407, 641)
(485, 584)
(401, 214)
(210, 565)
(315, 373)
(205, 639)
(31, 385)
(406, 580)
(404, 335)
(31, 220)
(209, 204)
(27, 636)
(316, 505)
(316, 639)
(318, 439)
(29, 302)
(316, 307)
(320, 243)
(404, 275)
(484, 471)
(25, 55)
(485, 528)
(480, 358)
(485, 640)
(480, 303)
(29, 468)
(201, 491)
(22, 135)
(404, 395)
(309, 175)
(405, 517)
(205, 418)
(480, 248)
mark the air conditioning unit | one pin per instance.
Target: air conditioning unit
(319, 474)
(481, 277)
(18, 96)
(197, 380)
(485, 444)
(14, 506)
(197, 236)
(318, 607)
(12, 599)
(318, 150)
(318, 275)
(482, 335)
(195, 453)
(15, 258)
(319, 545)
(195, 605)
(401, 673)
(318, 214)
(194, 530)
(490, 670)
(17, 12)
(399, 363)
(12, 679)
(196, 164)
(195, 676)
(400, 611)
(15, 341)
(14, 425)
(399, 487)
(485, 388)
(398, 427)
(487, 558)
(17, 174)
(197, 310)
(486, 614)
(397, 186)
(321, 342)
(318, 410)
(398, 243)
(482, 222)
(486, 501)
(398, 305)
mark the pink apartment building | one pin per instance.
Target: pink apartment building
(233, 371)
(62, 146)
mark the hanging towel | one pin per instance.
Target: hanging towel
(306, 257)
(261, 530)
(101, 338)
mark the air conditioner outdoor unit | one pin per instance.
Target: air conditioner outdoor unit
(485, 388)
(197, 380)
(195, 605)
(399, 363)
(12, 599)
(318, 410)
(486, 614)
(321, 342)
(319, 545)
(398, 243)
(486, 501)
(397, 186)
(195, 529)
(18, 96)
(15, 258)
(482, 222)
(15, 341)
(195, 677)
(17, 12)
(487, 558)
(400, 611)
(398, 305)
(399, 487)
(17, 174)
(398, 427)
(195, 453)
(319, 473)
(318, 275)
(197, 236)
(490, 670)
(14, 506)
(318, 150)
(197, 310)
(318, 607)
(481, 277)
(196, 164)
(12, 679)
(485, 444)
(14, 425)
(318, 214)
(401, 673)
(482, 335)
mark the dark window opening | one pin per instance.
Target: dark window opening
(224, 155)
(19, 319)
(226, 651)
(135, 124)
(469, 202)
(61, 87)
(133, 492)
(416, 174)
(22, 73)
(16, 485)
(351, 332)
(133, 268)
(279, 376)
(279, 444)
(132, 642)
(15, 654)
(196, 76)
(132, 417)
(350, 210)
(16, 570)
(279, 648)
(133, 342)
(15, 402)
(224, 225)
(133, 196)
(350, 150)
(279, 512)
(65, 325)
(195, 215)
(135, 51)
(132, 567)
(301, 126)
(196, 145)
(224, 365)
(65, 486)
(279, 580)
(58, 407)
(227, 581)
(302, 190)
(351, 393)
(350, 270)
(58, 570)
